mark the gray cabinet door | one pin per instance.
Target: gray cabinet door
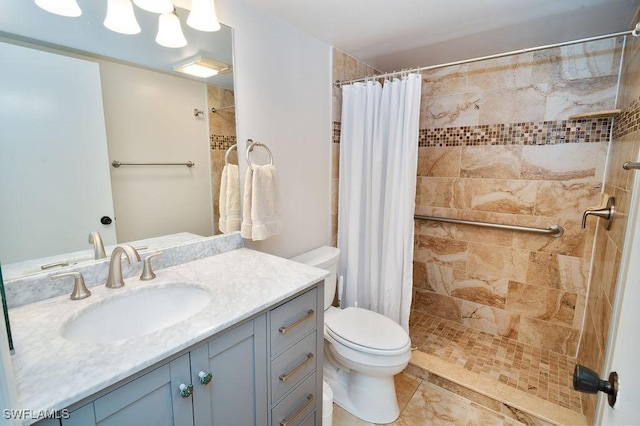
(152, 399)
(234, 396)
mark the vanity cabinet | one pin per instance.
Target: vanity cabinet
(219, 379)
(264, 371)
(295, 355)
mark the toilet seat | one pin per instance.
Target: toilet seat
(367, 331)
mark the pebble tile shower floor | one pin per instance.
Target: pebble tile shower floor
(539, 372)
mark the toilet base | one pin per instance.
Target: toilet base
(372, 399)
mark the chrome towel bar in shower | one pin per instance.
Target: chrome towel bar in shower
(553, 231)
(117, 164)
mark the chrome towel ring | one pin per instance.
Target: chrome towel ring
(250, 147)
(226, 155)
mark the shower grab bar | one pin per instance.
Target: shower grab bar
(116, 164)
(554, 231)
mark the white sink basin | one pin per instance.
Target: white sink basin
(136, 314)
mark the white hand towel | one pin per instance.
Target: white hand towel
(261, 215)
(229, 200)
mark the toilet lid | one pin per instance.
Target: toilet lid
(368, 329)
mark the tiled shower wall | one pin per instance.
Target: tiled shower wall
(496, 145)
(609, 244)
(222, 135)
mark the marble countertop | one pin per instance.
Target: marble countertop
(52, 372)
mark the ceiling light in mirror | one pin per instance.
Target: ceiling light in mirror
(120, 17)
(203, 16)
(201, 67)
(155, 6)
(60, 7)
(170, 31)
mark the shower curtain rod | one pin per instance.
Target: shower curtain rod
(635, 32)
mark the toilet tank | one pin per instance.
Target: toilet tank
(324, 257)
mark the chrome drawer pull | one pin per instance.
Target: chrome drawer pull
(287, 376)
(299, 411)
(285, 330)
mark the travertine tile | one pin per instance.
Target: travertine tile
(554, 337)
(559, 162)
(494, 321)
(500, 162)
(567, 98)
(543, 303)
(474, 287)
(566, 199)
(507, 72)
(439, 161)
(497, 261)
(450, 110)
(454, 352)
(432, 405)
(435, 191)
(438, 305)
(513, 105)
(442, 251)
(445, 81)
(495, 195)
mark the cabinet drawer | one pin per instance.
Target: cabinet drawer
(294, 409)
(292, 321)
(292, 366)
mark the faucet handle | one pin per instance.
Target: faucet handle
(600, 210)
(147, 271)
(80, 291)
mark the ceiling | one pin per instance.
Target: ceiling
(398, 34)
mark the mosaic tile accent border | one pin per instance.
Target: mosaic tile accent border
(220, 142)
(628, 121)
(336, 131)
(529, 133)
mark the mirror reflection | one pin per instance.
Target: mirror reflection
(68, 109)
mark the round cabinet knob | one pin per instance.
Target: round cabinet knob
(186, 390)
(205, 378)
(105, 220)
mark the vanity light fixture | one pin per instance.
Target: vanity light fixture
(201, 66)
(203, 16)
(120, 17)
(60, 7)
(155, 6)
(170, 31)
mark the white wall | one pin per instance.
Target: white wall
(283, 98)
(149, 118)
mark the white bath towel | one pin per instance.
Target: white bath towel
(261, 216)
(229, 200)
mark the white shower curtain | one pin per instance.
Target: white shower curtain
(378, 167)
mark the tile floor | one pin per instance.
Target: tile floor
(537, 372)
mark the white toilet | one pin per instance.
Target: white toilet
(363, 350)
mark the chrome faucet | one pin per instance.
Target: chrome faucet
(98, 247)
(115, 264)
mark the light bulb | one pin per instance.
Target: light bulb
(170, 31)
(120, 17)
(60, 7)
(203, 16)
(155, 6)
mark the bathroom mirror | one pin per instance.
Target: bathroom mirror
(24, 24)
